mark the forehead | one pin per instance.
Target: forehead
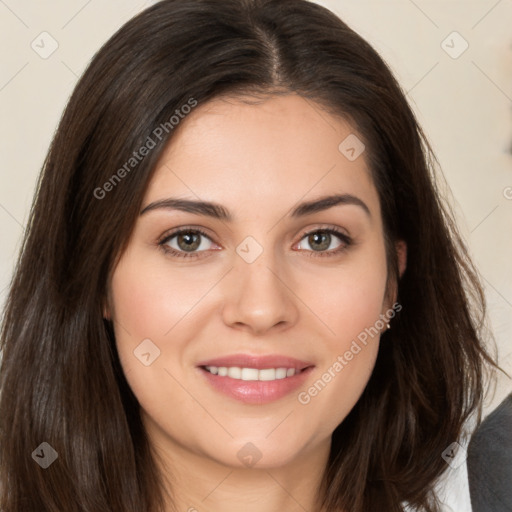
(278, 150)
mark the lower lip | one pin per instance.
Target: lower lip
(256, 391)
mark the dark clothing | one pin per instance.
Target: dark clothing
(489, 462)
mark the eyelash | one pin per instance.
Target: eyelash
(345, 239)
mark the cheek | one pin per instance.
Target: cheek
(350, 306)
(338, 386)
(351, 297)
(152, 303)
(144, 308)
(149, 300)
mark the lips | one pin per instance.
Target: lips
(251, 391)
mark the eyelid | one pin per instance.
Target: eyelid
(183, 229)
(325, 227)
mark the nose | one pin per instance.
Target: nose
(259, 297)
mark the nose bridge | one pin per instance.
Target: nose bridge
(256, 294)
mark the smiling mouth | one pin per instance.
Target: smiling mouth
(255, 386)
(253, 374)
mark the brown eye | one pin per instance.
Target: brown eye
(319, 241)
(188, 241)
(325, 242)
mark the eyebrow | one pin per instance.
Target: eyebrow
(218, 211)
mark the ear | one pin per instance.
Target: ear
(401, 251)
(106, 310)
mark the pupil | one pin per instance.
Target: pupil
(314, 239)
(191, 241)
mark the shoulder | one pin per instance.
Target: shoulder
(489, 461)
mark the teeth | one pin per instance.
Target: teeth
(249, 374)
(266, 374)
(234, 372)
(281, 372)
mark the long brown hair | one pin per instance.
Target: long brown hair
(60, 378)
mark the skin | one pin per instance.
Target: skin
(258, 161)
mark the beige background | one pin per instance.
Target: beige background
(463, 103)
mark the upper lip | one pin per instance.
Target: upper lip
(257, 362)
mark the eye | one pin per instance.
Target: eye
(186, 242)
(323, 242)
(191, 242)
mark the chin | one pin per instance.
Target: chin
(259, 453)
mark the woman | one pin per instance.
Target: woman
(239, 288)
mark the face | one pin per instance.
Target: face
(275, 290)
